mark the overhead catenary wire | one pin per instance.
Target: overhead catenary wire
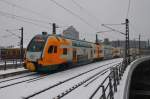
(30, 19)
(77, 4)
(39, 14)
(113, 29)
(30, 11)
(115, 24)
(133, 28)
(25, 9)
(128, 9)
(105, 31)
(86, 11)
(74, 14)
(13, 29)
(35, 22)
(23, 19)
(12, 33)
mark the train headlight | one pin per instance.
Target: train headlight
(31, 67)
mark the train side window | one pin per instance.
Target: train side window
(55, 49)
(50, 49)
(94, 51)
(84, 50)
(100, 51)
(65, 51)
(91, 53)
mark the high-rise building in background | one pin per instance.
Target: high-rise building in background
(71, 33)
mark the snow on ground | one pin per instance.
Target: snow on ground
(85, 92)
(61, 88)
(16, 76)
(11, 70)
(27, 88)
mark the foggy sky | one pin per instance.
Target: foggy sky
(95, 12)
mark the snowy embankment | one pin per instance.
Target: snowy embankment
(28, 88)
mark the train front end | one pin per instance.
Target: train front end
(34, 52)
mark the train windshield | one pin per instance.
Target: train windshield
(37, 44)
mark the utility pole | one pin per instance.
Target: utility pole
(134, 54)
(118, 43)
(127, 45)
(54, 28)
(148, 44)
(21, 44)
(134, 43)
(139, 44)
(96, 41)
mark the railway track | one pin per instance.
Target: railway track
(17, 78)
(90, 79)
(35, 78)
(61, 95)
(22, 81)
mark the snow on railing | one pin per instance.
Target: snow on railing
(109, 85)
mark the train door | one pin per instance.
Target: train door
(74, 56)
(98, 52)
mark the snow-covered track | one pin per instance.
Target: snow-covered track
(17, 78)
(80, 83)
(71, 78)
(22, 81)
(12, 73)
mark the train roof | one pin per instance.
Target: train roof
(57, 35)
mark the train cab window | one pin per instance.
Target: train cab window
(36, 46)
(52, 49)
(65, 51)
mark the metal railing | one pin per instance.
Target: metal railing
(109, 85)
(10, 64)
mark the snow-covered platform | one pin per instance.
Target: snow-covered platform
(11, 72)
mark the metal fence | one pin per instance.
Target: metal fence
(109, 85)
(10, 64)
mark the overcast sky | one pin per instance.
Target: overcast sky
(87, 17)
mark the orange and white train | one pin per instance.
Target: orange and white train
(51, 52)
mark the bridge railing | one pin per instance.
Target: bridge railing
(109, 85)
